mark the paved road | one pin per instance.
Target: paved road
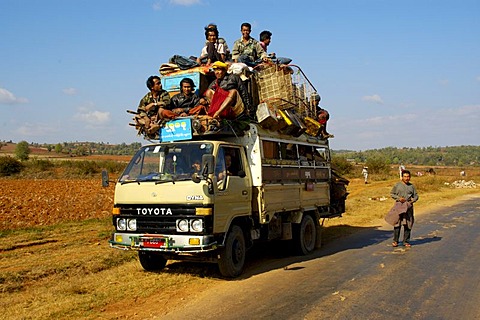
(362, 277)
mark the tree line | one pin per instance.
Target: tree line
(427, 156)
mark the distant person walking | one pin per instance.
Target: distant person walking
(405, 194)
(401, 168)
(365, 174)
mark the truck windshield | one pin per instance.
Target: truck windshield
(166, 162)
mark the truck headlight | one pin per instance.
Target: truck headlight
(121, 224)
(196, 225)
(182, 225)
(131, 224)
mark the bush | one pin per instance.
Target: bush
(429, 184)
(9, 166)
(40, 164)
(378, 165)
(113, 167)
(87, 167)
(342, 165)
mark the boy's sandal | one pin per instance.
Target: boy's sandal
(395, 244)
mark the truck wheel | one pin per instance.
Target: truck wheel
(304, 236)
(152, 261)
(232, 256)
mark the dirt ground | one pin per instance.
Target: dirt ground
(67, 270)
(28, 203)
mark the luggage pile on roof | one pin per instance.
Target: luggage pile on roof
(277, 96)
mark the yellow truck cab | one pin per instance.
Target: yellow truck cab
(210, 197)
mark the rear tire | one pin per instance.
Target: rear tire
(232, 256)
(305, 236)
(152, 261)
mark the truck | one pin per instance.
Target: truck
(210, 195)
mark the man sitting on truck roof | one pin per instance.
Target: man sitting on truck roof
(246, 49)
(182, 103)
(152, 105)
(265, 40)
(213, 50)
(227, 95)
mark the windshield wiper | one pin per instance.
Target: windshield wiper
(131, 181)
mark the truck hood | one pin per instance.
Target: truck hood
(182, 192)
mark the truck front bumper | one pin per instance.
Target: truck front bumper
(163, 243)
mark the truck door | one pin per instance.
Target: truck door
(233, 193)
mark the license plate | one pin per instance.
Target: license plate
(154, 243)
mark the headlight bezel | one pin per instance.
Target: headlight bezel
(196, 225)
(182, 225)
(131, 224)
(121, 224)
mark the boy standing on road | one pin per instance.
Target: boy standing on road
(404, 192)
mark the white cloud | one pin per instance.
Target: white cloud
(470, 110)
(426, 127)
(93, 117)
(70, 91)
(185, 2)
(36, 129)
(7, 97)
(373, 98)
(157, 6)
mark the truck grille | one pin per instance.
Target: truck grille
(161, 219)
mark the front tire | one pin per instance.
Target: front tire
(152, 261)
(232, 256)
(305, 236)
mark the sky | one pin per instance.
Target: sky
(390, 73)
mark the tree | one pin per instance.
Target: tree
(58, 148)
(22, 151)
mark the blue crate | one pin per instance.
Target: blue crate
(171, 82)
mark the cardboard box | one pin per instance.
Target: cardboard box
(266, 116)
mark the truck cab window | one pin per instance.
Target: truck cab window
(229, 163)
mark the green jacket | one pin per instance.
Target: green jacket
(163, 100)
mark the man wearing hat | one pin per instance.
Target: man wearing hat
(322, 115)
(227, 95)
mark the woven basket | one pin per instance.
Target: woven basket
(275, 86)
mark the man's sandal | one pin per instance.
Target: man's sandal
(408, 245)
(395, 244)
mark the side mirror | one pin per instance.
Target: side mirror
(105, 181)
(196, 178)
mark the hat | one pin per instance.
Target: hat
(315, 96)
(219, 65)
